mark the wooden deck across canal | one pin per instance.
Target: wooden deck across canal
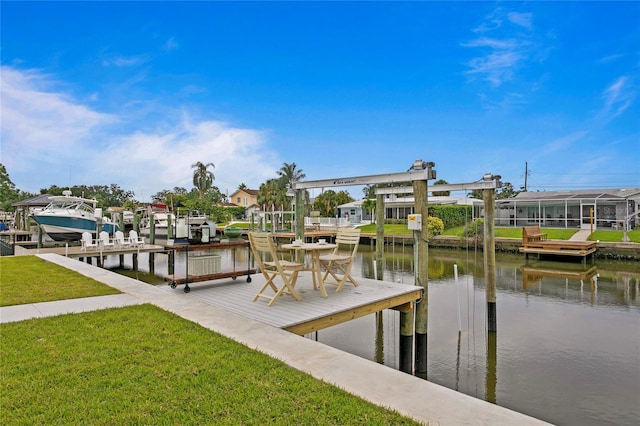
(313, 312)
(559, 248)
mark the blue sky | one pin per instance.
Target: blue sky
(134, 93)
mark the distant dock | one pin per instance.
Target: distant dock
(76, 252)
(560, 248)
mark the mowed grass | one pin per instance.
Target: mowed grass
(510, 232)
(29, 279)
(142, 365)
(500, 232)
(615, 236)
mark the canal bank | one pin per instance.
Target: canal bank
(605, 250)
(409, 395)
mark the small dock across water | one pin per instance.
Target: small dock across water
(559, 248)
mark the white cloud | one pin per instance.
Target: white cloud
(170, 44)
(561, 144)
(125, 61)
(617, 98)
(160, 160)
(495, 67)
(49, 138)
(522, 19)
(505, 50)
(38, 121)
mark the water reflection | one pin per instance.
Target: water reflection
(567, 348)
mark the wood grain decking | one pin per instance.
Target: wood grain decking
(312, 313)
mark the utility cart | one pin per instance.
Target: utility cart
(202, 265)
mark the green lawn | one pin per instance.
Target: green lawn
(615, 236)
(388, 229)
(29, 279)
(509, 232)
(143, 365)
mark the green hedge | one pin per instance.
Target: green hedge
(451, 216)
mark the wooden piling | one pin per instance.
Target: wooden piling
(421, 256)
(379, 236)
(406, 341)
(491, 377)
(152, 229)
(299, 231)
(489, 198)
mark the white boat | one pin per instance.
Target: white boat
(67, 217)
(196, 220)
(161, 218)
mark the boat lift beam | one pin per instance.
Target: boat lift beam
(493, 182)
(418, 171)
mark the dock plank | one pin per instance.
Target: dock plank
(560, 248)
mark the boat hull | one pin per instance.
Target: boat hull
(68, 228)
(65, 228)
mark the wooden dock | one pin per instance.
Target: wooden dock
(308, 235)
(559, 248)
(77, 252)
(312, 313)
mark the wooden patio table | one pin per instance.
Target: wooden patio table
(314, 250)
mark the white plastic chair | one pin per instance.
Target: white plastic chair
(134, 240)
(105, 241)
(120, 240)
(87, 241)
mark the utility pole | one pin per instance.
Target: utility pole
(526, 175)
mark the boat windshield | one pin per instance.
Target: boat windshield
(67, 203)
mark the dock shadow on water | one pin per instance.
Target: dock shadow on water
(567, 346)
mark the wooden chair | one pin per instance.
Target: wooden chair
(273, 268)
(338, 263)
(87, 241)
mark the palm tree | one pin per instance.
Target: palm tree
(370, 205)
(202, 177)
(268, 194)
(289, 172)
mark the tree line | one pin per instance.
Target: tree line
(206, 198)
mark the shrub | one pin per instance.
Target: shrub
(474, 229)
(452, 216)
(435, 226)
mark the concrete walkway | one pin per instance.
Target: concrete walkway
(581, 235)
(414, 397)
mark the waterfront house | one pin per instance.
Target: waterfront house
(583, 209)
(396, 207)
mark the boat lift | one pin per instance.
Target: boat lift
(419, 173)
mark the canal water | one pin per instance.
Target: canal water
(567, 349)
